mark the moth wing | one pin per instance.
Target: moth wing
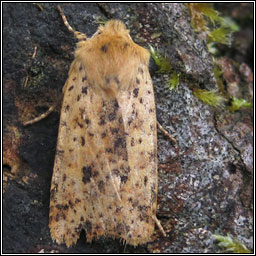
(138, 111)
(76, 168)
(105, 171)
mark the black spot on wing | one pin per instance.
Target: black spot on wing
(87, 173)
(135, 92)
(84, 90)
(120, 142)
(71, 88)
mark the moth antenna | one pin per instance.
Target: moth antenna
(80, 36)
(158, 225)
(42, 116)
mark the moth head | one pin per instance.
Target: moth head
(111, 58)
(113, 27)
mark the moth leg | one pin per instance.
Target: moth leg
(42, 116)
(159, 225)
(80, 36)
(161, 128)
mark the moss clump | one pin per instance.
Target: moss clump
(164, 65)
(174, 81)
(220, 35)
(230, 244)
(101, 21)
(219, 78)
(205, 18)
(199, 12)
(236, 104)
(209, 97)
(156, 35)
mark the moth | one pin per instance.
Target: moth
(105, 176)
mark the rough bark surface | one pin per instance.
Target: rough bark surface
(205, 180)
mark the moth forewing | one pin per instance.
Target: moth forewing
(105, 171)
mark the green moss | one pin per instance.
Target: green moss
(219, 30)
(209, 97)
(101, 21)
(156, 35)
(207, 10)
(164, 65)
(212, 48)
(200, 13)
(174, 81)
(236, 104)
(230, 244)
(221, 35)
(219, 79)
(229, 22)
(36, 81)
(217, 72)
(204, 17)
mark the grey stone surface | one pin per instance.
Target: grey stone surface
(205, 180)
